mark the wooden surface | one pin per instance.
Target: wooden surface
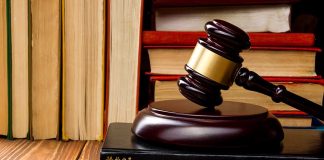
(48, 149)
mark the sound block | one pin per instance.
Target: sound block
(230, 125)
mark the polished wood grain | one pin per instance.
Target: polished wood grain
(91, 150)
(229, 125)
(48, 149)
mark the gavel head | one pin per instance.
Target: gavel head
(214, 63)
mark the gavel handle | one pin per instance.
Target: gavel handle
(252, 81)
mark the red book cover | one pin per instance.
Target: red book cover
(189, 39)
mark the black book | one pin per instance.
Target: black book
(121, 144)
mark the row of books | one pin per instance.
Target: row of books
(278, 53)
(52, 69)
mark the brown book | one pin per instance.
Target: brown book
(3, 71)
(20, 84)
(124, 51)
(266, 61)
(45, 68)
(83, 69)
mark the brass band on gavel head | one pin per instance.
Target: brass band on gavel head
(213, 66)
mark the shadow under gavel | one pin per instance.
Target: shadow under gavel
(215, 64)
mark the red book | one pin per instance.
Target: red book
(152, 39)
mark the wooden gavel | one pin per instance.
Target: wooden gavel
(215, 64)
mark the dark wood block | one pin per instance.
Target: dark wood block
(230, 125)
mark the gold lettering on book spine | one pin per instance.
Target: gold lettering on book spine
(213, 66)
(118, 158)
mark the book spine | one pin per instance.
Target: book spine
(107, 60)
(30, 115)
(9, 67)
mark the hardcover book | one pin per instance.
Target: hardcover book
(164, 87)
(83, 59)
(266, 61)
(120, 143)
(3, 71)
(124, 59)
(251, 18)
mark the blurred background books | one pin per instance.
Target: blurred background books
(285, 49)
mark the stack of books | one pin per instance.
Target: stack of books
(277, 54)
(52, 69)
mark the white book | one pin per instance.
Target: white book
(250, 18)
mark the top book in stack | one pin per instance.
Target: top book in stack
(251, 15)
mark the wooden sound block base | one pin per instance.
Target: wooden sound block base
(230, 125)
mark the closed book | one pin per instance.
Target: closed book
(266, 61)
(164, 87)
(122, 144)
(45, 68)
(250, 18)
(124, 59)
(83, 70)
(3, 71)
(20, 68)
(154, 39)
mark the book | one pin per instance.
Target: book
(45, 68)
(122, 144)
(124, 59)
(107, 44)
(312, 89)
(3, 70)
(266, 61)
(83, 69)
(153, 39)
(250, 18)
(20, 68)
(165, 88)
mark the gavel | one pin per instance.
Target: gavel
(215, 64)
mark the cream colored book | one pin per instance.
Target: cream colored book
(83, 69)
(124, 52)
(3, 71)
(45, 69)
(295, 121)
(168, 90)
(250, 18)
(262, 61)
(20, 89)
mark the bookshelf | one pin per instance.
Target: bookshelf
(185, 39)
